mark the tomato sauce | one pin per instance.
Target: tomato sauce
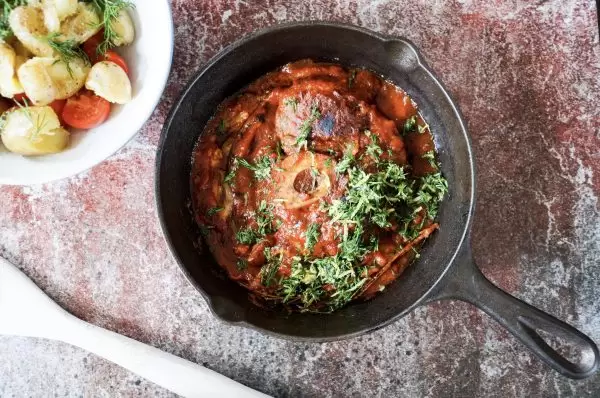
(268, 164)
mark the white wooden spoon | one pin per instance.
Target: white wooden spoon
(26, 311)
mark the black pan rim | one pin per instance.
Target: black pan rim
(181, 99)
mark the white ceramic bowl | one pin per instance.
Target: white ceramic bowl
(149, 59)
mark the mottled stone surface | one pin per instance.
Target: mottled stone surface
(527, 77)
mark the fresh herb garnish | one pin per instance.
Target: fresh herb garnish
(213, 210)
(328, 283)
(431, 190)
(410, 124)
(351, 78)
(372, 196)
(241, 264)
(231, 175)
(346, 162)
(312, 236)
(430, 156)
(37, 123)
(247, 236)
(109, 11)
(7, 7)
(222, 128)
(373, 149)
(261, 169)
(306, 126)
(264, 223)
(269, 270)
(204, 229)
(292, 102)
(67, 50)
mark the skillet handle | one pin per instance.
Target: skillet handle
(466, 282)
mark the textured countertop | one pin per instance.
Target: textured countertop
(526, 75)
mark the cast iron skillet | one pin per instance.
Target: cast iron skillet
(446, 269)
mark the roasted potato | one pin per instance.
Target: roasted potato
(27, 23)
(123, 27)
(82, 25)
(48, 79)
(110, 82)
(9, 84)
(33, 130)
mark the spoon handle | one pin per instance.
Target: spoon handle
(169, 371)
(26, 311)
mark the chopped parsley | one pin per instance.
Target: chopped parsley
(312, 236)
(328, 283)
(214, 210)
(6, 8)
(351, 78)
(430, 156)
(410, 124)
(306, 126)
(241, 264)
(222, 128)
(247, 236)
(372, 197)
(346, 162)
(261, 169)
(264, 223)
(381, 198)
(269, 270)
(373, 149)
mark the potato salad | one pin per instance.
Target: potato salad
(59, 70)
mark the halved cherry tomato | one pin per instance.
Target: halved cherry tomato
(85, 110)
(58, 106)
(116, 58)
(90, 47)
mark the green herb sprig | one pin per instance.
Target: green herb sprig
(312, 236)
(261, 169)
(265, 225)
(6, 6)
(109, 11)
(430, 157)
(306, 126)
(67, 50)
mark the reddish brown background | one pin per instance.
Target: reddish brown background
(527, 77)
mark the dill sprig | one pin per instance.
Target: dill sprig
(306, 126)
(6, 6)
(109, 12)
(67, 50)
(37, 123)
